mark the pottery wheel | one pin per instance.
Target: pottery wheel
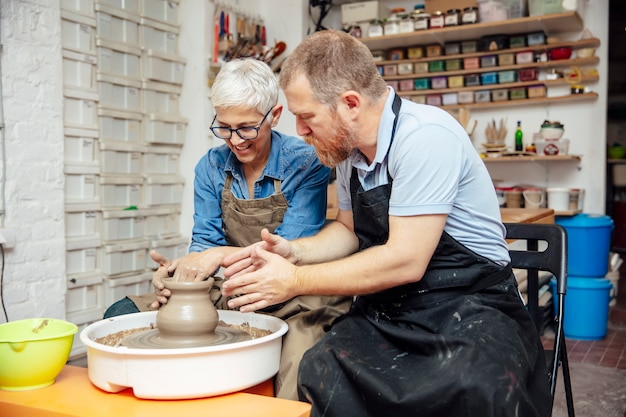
(151, 339)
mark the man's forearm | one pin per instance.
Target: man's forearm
(334, 241)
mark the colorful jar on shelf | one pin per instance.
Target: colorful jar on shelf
(453, 64)
(452, 48)
(536, 38)
(375, 28)
(487, 78)
(437, 20)
(434, 99)
(392, 24)
(406, 23)
(517, 41)
(439, 82)
(509, 76)
(472, 80)
(420, 67)
(405, 68)
(469, 47)
(524, 57)
(465, 97)
(483, 96)
(420, 18)
(436, 66)
(471, 63)
(390, 69)
(421, 84)
(395, 54)
(469, 15)
(452, 18)
(517, 93)
(506, 59)
(500, 94)
(406, 85)
(449, 99)
(536, 91)
(455, 81)
(434, 50)
(488, 61)
(415, 52)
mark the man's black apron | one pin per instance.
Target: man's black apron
(459, 342)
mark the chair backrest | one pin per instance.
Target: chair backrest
(553, 259)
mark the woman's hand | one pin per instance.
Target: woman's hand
(242, 260)
(166, 269)
(196, 266)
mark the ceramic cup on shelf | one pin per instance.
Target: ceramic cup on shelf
(533, 197)
(558, 198)
(513, 197)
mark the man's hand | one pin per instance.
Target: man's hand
(268, 280)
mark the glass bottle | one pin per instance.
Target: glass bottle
(519, 137)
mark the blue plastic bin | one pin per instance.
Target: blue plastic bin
(589, 243)
(586, 307)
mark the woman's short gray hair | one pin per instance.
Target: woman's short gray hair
(246, 83)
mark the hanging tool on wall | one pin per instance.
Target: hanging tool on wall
(248, 38)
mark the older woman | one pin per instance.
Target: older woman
(259, 178)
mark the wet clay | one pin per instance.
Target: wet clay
(118, 338)
(189, 317)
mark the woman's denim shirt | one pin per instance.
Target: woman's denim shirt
(304, 181)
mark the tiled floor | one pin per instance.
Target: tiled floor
(598, 367)
(608, 352)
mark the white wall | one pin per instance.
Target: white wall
(34, 273)
(34, 277)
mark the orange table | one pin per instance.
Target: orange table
(74, 395)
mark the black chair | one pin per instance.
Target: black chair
(554, 260)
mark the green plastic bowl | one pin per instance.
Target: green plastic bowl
(33, 352)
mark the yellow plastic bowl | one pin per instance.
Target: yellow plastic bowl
(33, 352)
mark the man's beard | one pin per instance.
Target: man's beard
(335, 149)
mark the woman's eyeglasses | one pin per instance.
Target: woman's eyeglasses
(245, 132)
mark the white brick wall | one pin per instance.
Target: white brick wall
(34, 275)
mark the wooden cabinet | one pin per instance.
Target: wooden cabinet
(549, 24)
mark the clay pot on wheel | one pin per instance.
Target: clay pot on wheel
(189, 317)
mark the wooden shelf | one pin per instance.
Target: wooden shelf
(538, 158)
(583, 43)
(547, 83)
(550, 24)
(577, 62)
(540, 101)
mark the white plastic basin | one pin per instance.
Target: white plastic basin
(183, 373)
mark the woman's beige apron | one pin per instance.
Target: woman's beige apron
(308, 317)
